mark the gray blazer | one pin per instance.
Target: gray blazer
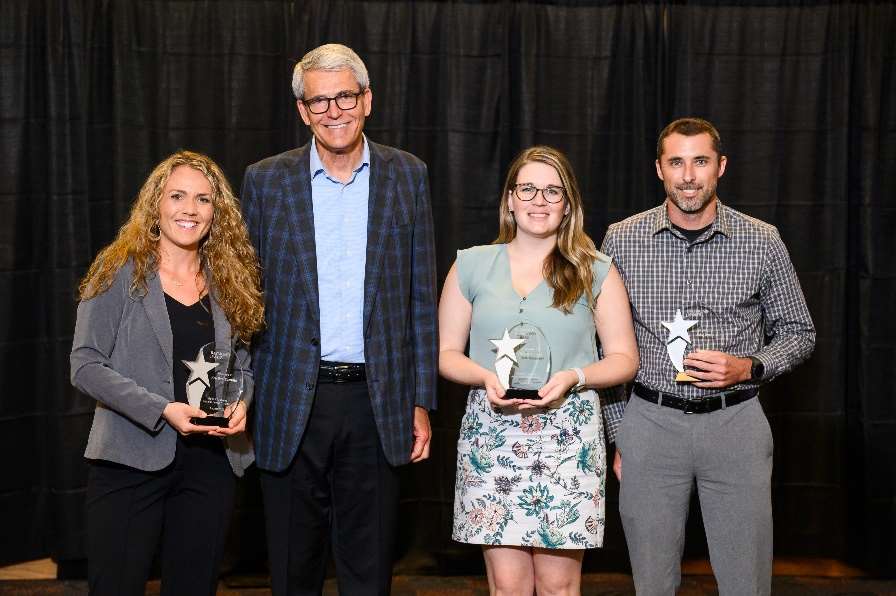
(122, 357)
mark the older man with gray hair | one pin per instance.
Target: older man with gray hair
(345, 372)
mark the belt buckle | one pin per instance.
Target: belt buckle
(689, 405)
(340, 373)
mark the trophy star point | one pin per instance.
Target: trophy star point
(199, 368)
(678, 327)
(507, 346)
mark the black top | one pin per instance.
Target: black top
(191, 327)
(691, 235)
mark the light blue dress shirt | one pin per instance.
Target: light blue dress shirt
(340, 238)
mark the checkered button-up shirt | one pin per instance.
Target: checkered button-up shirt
(736, 280)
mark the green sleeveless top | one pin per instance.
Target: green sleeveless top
(483, 274)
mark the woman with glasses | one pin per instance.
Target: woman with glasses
(171, 300)
(531, 464)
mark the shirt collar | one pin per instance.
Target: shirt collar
(317, 166)
(719, 224)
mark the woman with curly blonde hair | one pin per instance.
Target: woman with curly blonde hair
(179, 283)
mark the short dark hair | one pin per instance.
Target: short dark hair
(690, 127)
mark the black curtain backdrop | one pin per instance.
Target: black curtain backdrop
(95, 92)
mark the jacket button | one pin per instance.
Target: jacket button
(314, 341)
(309, 386)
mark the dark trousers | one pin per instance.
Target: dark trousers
(339, 490)
(186, 507)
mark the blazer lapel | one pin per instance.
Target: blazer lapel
(300, 215)
(157, 311)
(379, 217)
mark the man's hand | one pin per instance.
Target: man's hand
(617, 465)
(717, 370)
(422, 435)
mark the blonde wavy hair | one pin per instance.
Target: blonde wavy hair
(225, 251)
(567, 269)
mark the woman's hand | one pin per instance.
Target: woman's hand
(495, 391)
(237, 423)
(557, 387)
(178, 415)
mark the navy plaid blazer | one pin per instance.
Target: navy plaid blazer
(400, 343)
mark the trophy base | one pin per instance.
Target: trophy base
(684, 378)
(521, 394)
(211, 421)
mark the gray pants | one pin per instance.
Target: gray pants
(729, 454)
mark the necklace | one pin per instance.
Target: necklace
(173, 280)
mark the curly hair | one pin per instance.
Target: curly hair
(568, 268)
(225, 252)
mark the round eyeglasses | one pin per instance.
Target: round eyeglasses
(527, 192)
(344, 101)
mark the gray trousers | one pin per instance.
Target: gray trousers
(729, 454)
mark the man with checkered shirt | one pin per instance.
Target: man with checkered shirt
(718, 285)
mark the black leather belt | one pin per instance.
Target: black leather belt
(340, 372)
(703, 405)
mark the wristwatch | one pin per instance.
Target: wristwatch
(757, 369)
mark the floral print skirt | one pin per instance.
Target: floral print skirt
(534, 479)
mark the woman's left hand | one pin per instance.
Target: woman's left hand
(237, 423)
(556, 388)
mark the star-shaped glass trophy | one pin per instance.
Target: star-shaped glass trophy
(215, 385)
(522, 361)
(677, 343)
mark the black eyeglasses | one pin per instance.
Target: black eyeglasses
(344, 101)
(527, 192)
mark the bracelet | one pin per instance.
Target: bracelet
(581, 375)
